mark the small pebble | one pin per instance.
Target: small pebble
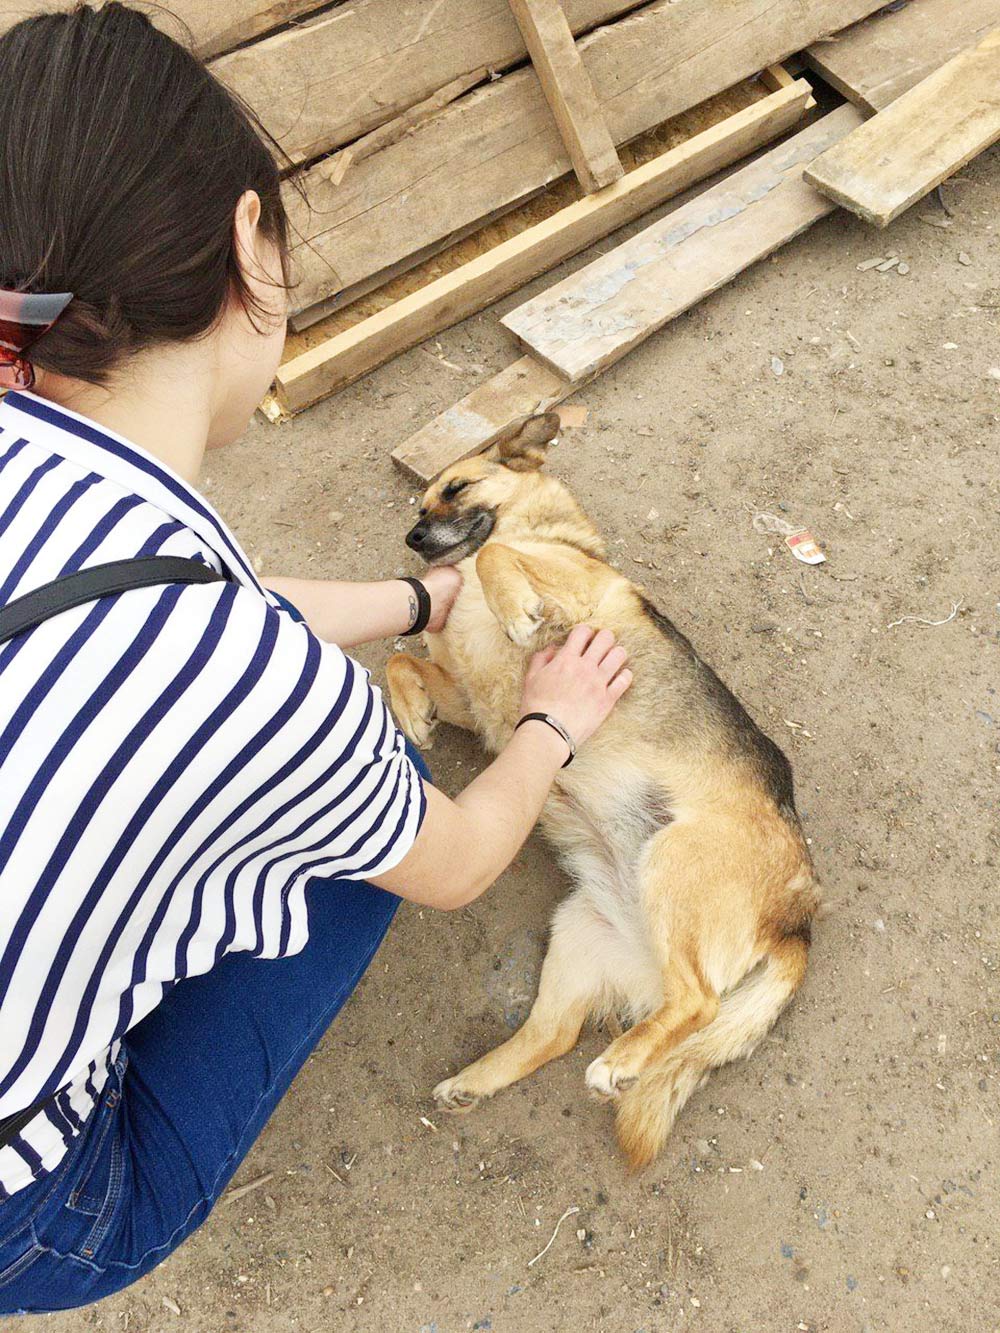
(170, 1305)
(335, 516)
(870, 263)
(886, 265)
(963, 258)
(903, 269)
(994, 372)
(777, 365)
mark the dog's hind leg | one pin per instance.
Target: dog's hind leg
(573, 982)
(690, 1004)
(526, 591)
(421, 694)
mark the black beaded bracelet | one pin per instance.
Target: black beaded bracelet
(556, 726)
(423, 607)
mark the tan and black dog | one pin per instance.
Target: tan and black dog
(694, 890)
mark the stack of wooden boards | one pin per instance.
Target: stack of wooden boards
(931, 125)
(415, 133)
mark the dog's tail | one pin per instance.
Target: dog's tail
(647, 1111)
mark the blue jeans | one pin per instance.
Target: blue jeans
(195, 1084)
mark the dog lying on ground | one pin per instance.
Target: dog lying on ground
(693, 886)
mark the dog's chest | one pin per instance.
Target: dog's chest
(477, 654)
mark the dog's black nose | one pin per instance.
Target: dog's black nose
(416, 536)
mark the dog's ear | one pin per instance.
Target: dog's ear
(524, 450)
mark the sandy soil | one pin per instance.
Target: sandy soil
(845, 1178)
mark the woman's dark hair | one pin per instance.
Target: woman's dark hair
(122, 160)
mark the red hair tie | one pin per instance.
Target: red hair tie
(24, 318)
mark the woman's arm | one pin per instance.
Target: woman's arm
(351, 613)
(463, 845)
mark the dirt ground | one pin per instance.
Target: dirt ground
(845, 1178)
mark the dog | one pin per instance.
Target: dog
(694, 890)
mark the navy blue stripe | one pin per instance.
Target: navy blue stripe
(41, 535)
(411, 772)
(100, 533)
(11, 453)
(66, 1106)
(25, 489)
(88, 1082)
(112, 770)
(58, 1121)
(94, 435)
(25, 1150)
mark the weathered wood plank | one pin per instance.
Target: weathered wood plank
(497, 145)
(481, 418)
(876, 61)
(359, 66)
(340, 360)
(919, 140)
(216, 25)
(589, 320)
(568, 91)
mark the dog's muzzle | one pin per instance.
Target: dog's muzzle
(447, 540)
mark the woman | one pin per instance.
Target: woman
(205, 810)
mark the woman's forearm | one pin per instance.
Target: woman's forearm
(350, 613)
(467, 843)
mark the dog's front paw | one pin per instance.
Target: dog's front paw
(451, 1096)
(410, 703)
(523, 627)
(607, 1078)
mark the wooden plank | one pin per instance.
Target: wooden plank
(487, 414)
(344, 358)
(324, 83)
(583, 324)
(876, 61)
(497, 145)
(215, 25)
(928, 133)
(568, 91)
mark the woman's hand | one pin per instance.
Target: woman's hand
(444, 583)
(578, 683)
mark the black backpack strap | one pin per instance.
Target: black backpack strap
(87, 585)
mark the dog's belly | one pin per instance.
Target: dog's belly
(603, 845)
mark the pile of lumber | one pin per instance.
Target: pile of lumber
(439, 154)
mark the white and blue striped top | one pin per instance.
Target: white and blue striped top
(175, 764)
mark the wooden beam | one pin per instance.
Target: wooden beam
(568, 91)
(323, 83)
(489, 413)
(340, 360)
(215, 25)
(919, 140)
(585, 323)
(878, 60)
(497, 145)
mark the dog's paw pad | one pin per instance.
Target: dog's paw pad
(604, 1080)
(449, 1096)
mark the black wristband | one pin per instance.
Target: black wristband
(556, 726)
(423, 607)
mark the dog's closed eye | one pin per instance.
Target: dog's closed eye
(453, 488)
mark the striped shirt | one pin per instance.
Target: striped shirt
(175, 764)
